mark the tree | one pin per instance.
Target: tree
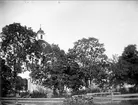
(128, 66)
(48, 70)
(115, 70)
(74, 78)
(89, 54)
(17, 45)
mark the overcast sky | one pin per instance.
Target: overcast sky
(114, 23)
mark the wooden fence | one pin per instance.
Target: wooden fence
(105, 97)
(23, 101)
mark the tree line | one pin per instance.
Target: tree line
(84, 64)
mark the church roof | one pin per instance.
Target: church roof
(40, 31)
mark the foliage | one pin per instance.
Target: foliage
(89, 54)
(17, 45)
(114, 67)
(57, 70)
(50, 66)
(37, 94)
(73, 73)
(129, 60)
(25, 94)
(94, 90)
(79, 100)
(63, 95)
(80, 92)
(49, 72)
(21, 84)
(126, 69)
(130, 90)
(17, 42)
(6, 78)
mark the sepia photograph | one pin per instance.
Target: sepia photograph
(68, 52)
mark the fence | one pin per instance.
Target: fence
(23, 101)
(105, 97)
(109, 97)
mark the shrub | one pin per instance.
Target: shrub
(80, 92)
(79, 100)
(37, 94)
(129, 90)
(94, 90)
(25, 94)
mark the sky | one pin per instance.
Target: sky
(114, 23)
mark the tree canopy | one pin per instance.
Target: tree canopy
(7, 80)
(89, 54)
(17, 45)
(128, 65)
(17, 42)
(49, 67)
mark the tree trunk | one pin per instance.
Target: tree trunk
(86, 83)
(90, 85)
(61, 90)
(55, 91)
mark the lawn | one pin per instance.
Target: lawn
(134, 102)
(79, 102)
(130, 102)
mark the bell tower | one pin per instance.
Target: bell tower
(40, 34)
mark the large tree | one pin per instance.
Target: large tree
(89, 54)
(17, 45)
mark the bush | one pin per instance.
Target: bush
(79, 100)
(129, 90)
(95, 90)
(37, 94)
(25, 94)
(80, 92)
